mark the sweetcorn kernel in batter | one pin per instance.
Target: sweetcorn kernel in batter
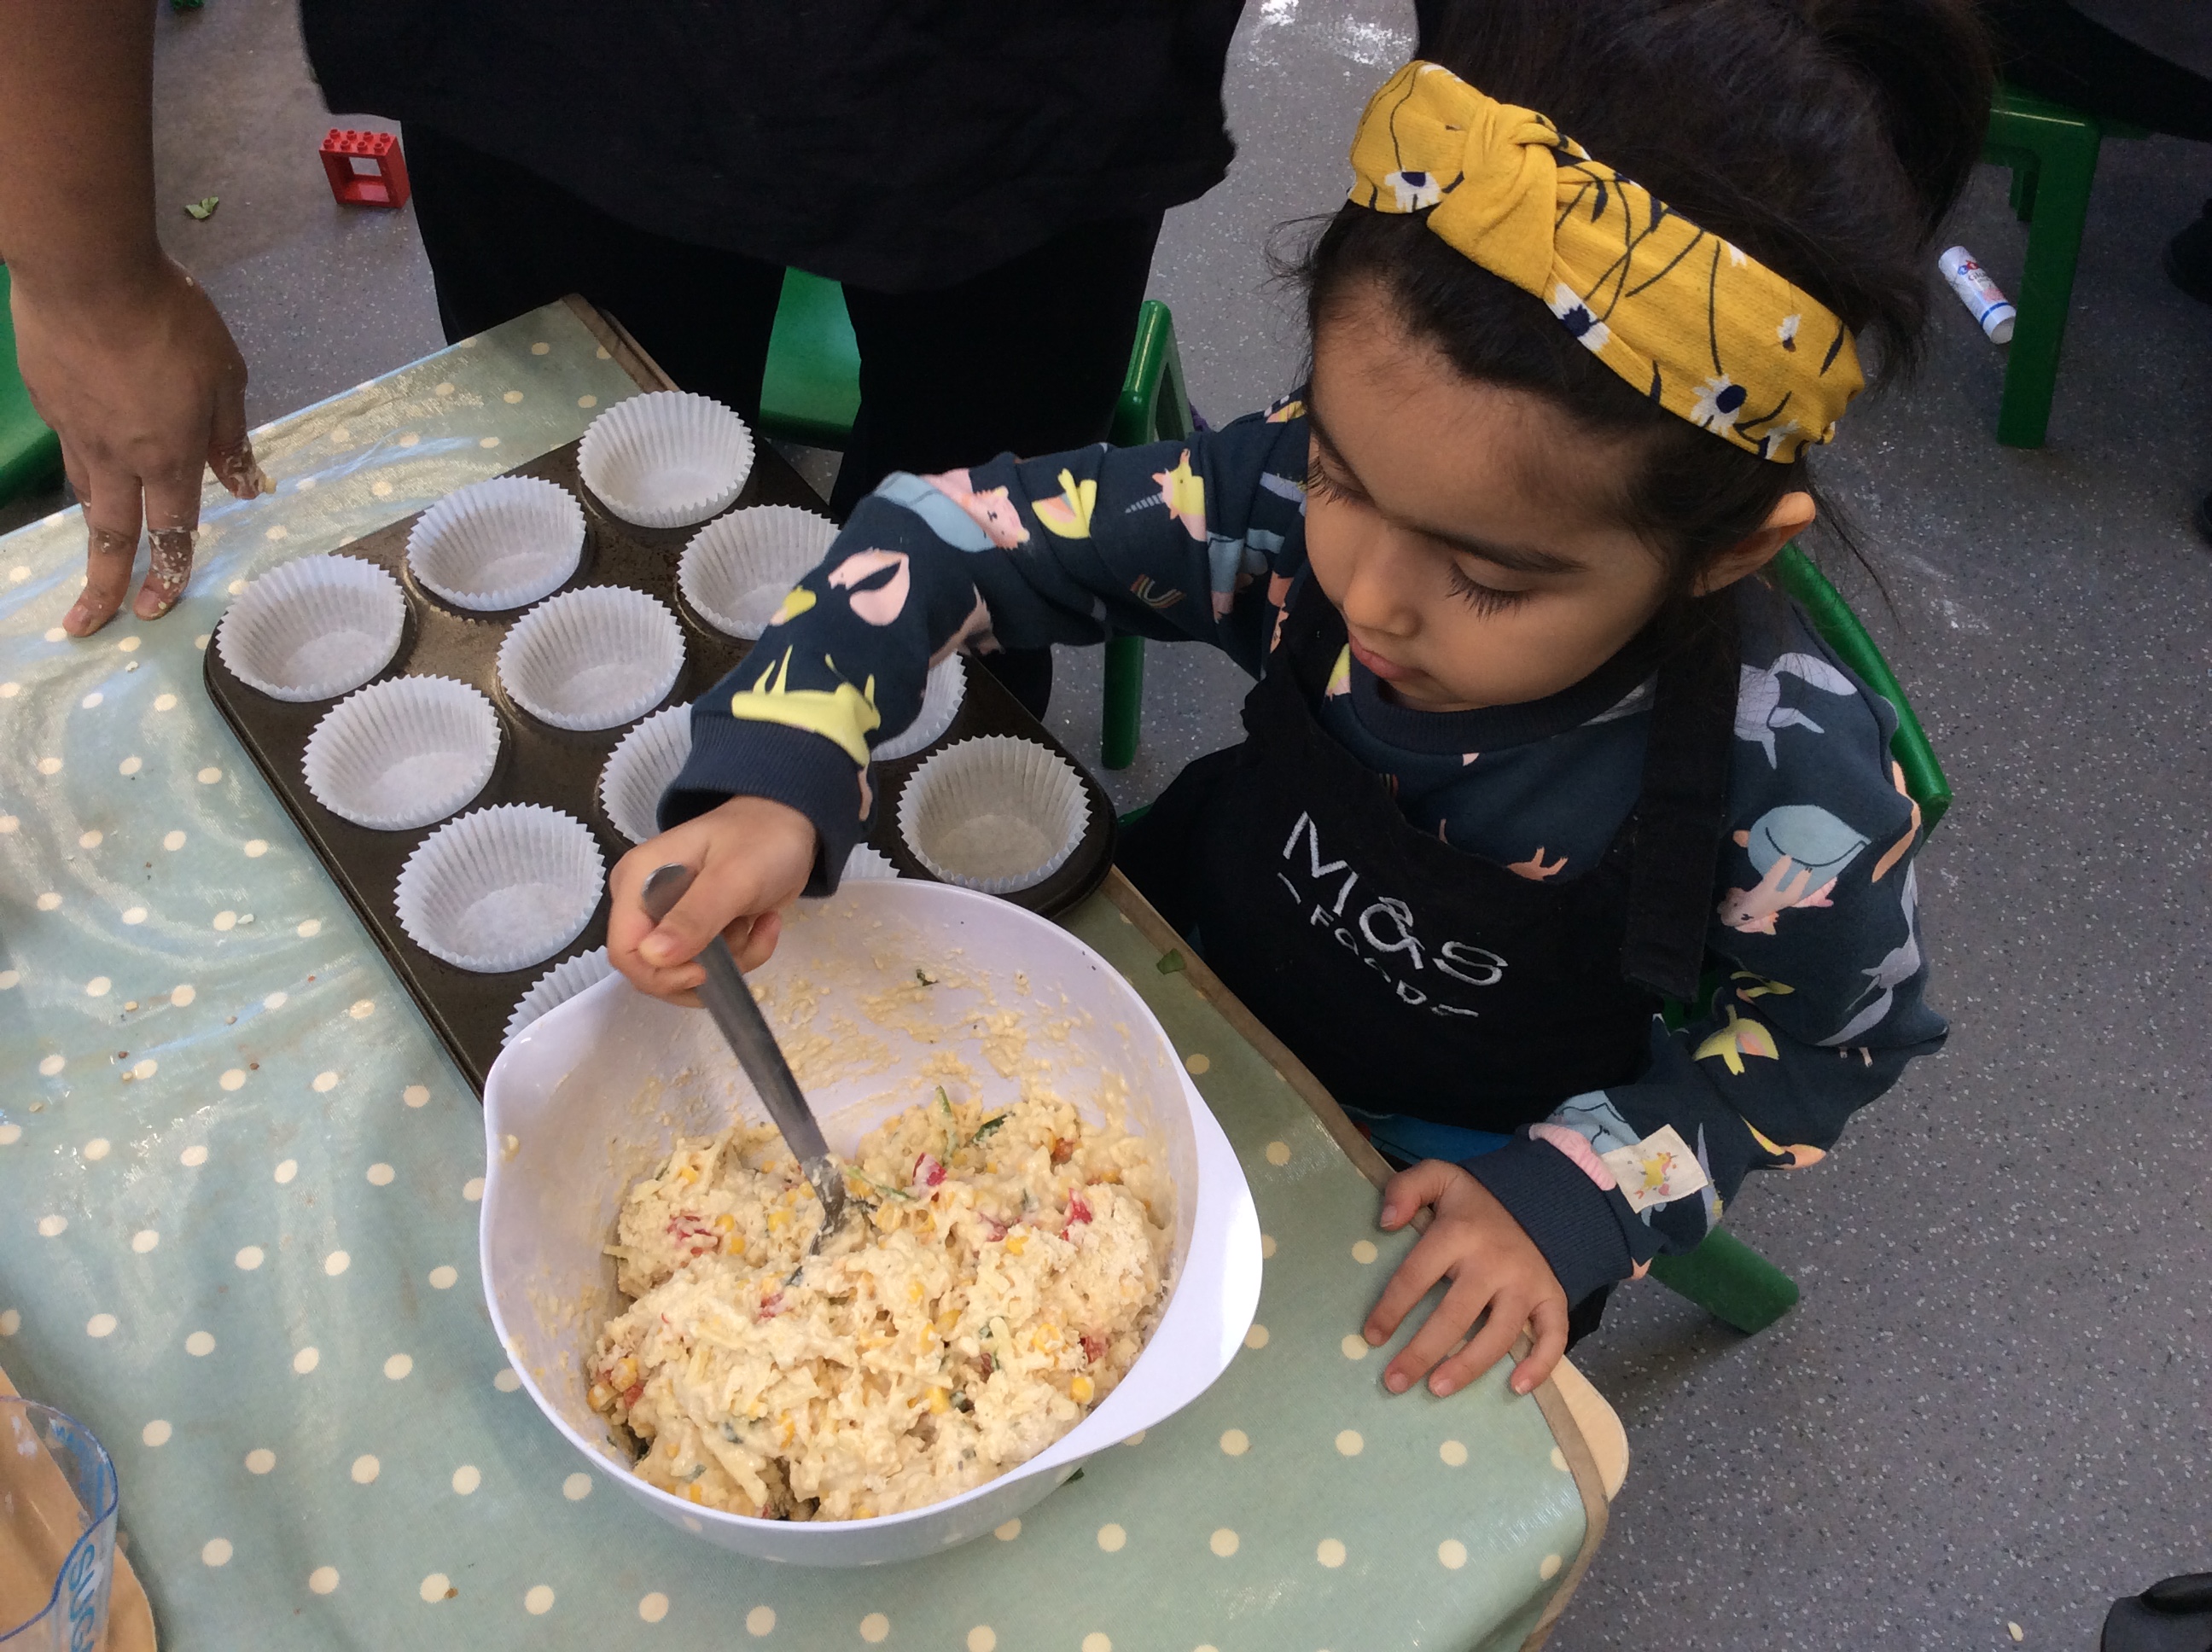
(997, 1276)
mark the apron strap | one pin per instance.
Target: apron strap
(1681, 812)
(1313, 636)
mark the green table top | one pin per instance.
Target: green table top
(237, 1176)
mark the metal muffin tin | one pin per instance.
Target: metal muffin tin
(539, 764)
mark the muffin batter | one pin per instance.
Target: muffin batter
(997, 1275)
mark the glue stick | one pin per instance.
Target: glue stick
(1979, 294)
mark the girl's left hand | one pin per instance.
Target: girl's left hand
(1492, 1264)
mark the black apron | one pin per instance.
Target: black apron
(1413, 977)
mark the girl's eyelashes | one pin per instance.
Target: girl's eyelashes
(1320, 483)
(1483, 598)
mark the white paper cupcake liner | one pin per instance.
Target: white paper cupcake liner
(501, 889)
(312, 629)
(399, 754)
(940, 703)
(737, 569)
(638, 771)
(592, 658)
(666, 458)
(865, 862)
(995, 813)
(500, 544)
(557, 987)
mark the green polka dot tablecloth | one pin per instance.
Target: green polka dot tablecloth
(238, 1179)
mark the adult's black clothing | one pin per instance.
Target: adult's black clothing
(886, 144)
(1027, 357)
(501, 240)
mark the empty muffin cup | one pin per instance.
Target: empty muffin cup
(996, 813)
(312, 629)
(940, 703)
(557, 987)
(398, 755)
(738, 569)
(496, 544)
(666, 458)
(596, 658)
(501, 888)
(639, 770)
(865, 862)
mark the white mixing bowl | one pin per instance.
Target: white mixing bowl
(594, 1093)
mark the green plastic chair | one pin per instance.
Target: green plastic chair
(30, 454)
(1840, 630)
(810, 393)
(1725, 1276)
(2051, 151)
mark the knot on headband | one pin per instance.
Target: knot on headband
(1694, 323)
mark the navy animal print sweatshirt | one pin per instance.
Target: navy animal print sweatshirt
(1814, 910)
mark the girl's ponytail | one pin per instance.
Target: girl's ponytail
(1928, 63)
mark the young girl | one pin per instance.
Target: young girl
(1533, 746)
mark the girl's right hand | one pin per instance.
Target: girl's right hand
(753, 857)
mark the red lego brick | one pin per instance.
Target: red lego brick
(365, 168)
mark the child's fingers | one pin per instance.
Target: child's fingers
(728, 890)
(1485, 1349)
(1549, 1321)
(1448, 1321)
(1413, 1188)
(752, 856)
(626, 926)
(676, 982)
(752, 942)
(1424, 1265)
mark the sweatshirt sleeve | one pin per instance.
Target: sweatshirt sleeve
(1199, 539)
(1821, 1001)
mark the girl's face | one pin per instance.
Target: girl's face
(1467, 531)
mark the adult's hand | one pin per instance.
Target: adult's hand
(122, 354)
(141, 382)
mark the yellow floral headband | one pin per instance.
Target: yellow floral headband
(1707, 331)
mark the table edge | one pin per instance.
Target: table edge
(625, 351)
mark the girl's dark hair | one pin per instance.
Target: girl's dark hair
(1826, 138)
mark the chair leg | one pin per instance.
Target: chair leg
(2066, 169)
(1124, 708)
(1730, 1281)
(2023, 189)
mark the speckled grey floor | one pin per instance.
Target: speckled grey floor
(1991, 1404)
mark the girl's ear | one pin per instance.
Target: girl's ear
(1792, 514)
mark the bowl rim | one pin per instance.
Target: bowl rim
(1225, 1222)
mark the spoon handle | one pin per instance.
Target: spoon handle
(737, 1013)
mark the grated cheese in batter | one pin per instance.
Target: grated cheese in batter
(997, 1276)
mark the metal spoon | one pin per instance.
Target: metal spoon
(731, 1002)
